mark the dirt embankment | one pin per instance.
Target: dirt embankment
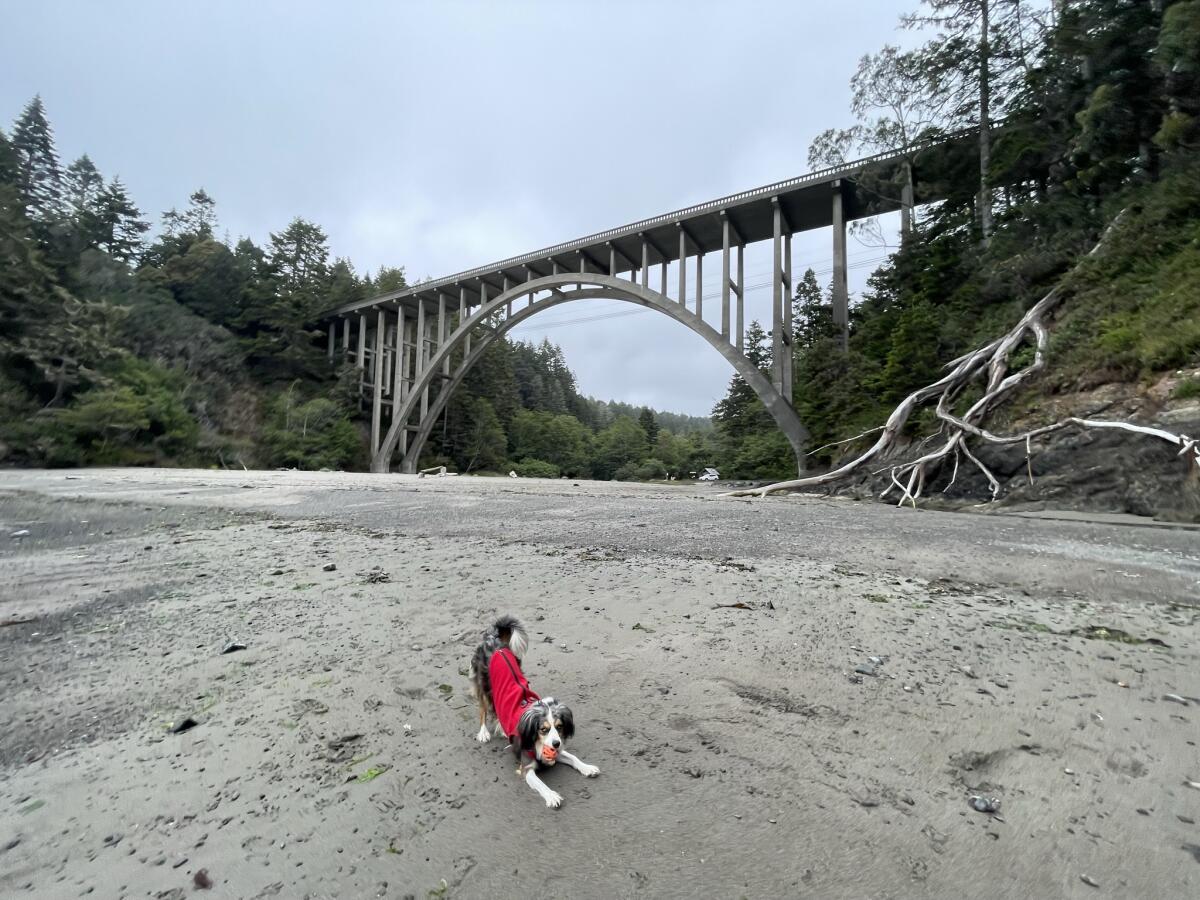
(1085, 470)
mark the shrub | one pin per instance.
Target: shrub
(535, 468)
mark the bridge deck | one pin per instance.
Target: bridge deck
(869, 187)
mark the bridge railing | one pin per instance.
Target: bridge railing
(677, 215)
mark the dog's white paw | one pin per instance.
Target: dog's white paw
(484, 735)
(554, 801)
(589, 771)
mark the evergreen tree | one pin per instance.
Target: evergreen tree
(974, 65)
(198, 221)
(649, 425)
(119, 226)
(39, 179)
(485, 445)
(812, 314)
(84, 184)
(741, 412)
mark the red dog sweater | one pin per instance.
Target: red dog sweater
(510, 689)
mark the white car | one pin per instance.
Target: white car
(709, 475)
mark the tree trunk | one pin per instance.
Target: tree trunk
(985, 129)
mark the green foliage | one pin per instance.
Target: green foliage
(312, 434)
(622, 444)
(137, 417)
(484, 443)
(561, 440)
(649, 425)
(535, 468)
(1187, 389)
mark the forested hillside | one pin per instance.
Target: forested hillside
(126, 344)
(120, 345)
(1093, 108)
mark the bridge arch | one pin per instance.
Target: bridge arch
(558, 289)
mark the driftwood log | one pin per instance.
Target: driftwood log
(989, 364)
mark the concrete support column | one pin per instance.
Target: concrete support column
(662, 288)
(361, 360)
(346, 336)
(332, 338)
(467, 315)
(777, 296)
(400, 359)
(906, 200)
(441, 325)
(422, 353)
(612, 260)
(387, 360)
(377, 381)
(403, 359)
(682, 267)
(645, 264)
(724, 276)
(741, 299)
(508, 305)
(699, 283)
(788, 362)
(841, 291)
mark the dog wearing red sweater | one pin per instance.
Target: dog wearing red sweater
(536, 727)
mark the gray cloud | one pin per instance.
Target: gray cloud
(439, 136)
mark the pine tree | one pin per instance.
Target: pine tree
(741, 412)
(974, 65)
(38, 176)
(649, 425)
(83, 186)
(812, 314)
(120, 225)
(198, 221)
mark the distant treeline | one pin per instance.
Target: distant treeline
(183, 348)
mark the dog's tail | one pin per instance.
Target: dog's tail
(511, 634)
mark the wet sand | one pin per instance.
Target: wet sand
(708, 648)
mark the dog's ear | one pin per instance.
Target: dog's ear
(567, 729)
(529, 726)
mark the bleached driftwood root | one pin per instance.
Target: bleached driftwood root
(989, 363)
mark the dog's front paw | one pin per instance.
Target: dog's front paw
(589, 771)
(484, 735)
(554, 801)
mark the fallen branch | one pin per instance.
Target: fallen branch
(990, 362)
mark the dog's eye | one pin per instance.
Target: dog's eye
(557, 723)
(545, 728)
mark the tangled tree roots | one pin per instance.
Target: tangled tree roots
(990, 364)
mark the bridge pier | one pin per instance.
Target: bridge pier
(781, 301)
(377, 381)
(841, 292)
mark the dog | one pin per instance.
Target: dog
(536, 727)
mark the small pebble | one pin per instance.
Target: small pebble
(329, 567)
(1089, 880)
(1175, 698)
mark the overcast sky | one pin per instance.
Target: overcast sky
(443, 135)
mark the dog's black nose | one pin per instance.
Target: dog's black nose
(556, 744)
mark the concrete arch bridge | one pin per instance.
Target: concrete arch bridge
(414, 346)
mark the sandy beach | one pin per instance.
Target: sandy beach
(794, 697)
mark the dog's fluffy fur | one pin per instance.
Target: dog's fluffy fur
(544, 723)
